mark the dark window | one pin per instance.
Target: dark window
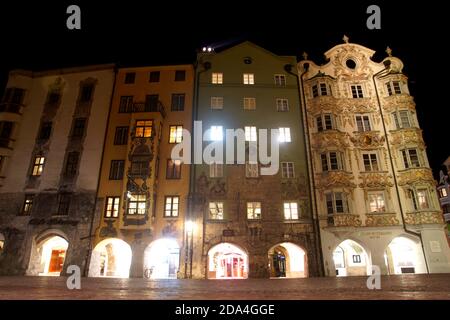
(53, 97)
(130, 77)
(151, 103)
(315, 90)
(116, 170)
(178, 101)
(72, 163)
(78, 127)
(5, 133)
(154, 76)
(139, 168)
(14, 95)
(46, 130)
(121, 136)
(86, 93)
(173, 170)
(64, 204)
(180, 75)
(28, 204)
(126, 104)
(357, 91)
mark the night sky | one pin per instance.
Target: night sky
(148, 32)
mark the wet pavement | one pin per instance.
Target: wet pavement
(429, 287)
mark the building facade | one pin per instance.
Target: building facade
(443, 190)
(374, 190)
(247, 223)
(52, 132)
(142, 195)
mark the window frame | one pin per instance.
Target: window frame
(253, 206)
(120, 167)
(357, 91)
(38, 165)
(217, 77)
(248, 79)
(171, 169)
(137, 202)
(171, 210)
(286, 172)
(220, 215)
(178, 134)
(365, 126)
(114, 212)
(290, 208)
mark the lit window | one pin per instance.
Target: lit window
(38, 166)
(290, 211)
(249, 78)
(112, 207)
(216, 210)
(137, 204)
(217, 78)
(376, 202)
(325, 122)
(250, 133)
(249, 103)
(370, 162)
(357, 91)
(280, 80)
(216, 133)
(144, 128)
(285, 135)
(216, 170)
(216, 102)
(253, 210)
(363, 123)
(171, 206)
(422, 199)
(443, 192)
(410, 158)
(401, 119)
(336, 202)
(251, 170)
(393, 88)
(287, 170)
(331, 161)
(176, 134)
(28, 204)
(282, 105)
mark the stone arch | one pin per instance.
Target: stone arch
(111, 257)
(288, 260)
(350, 258)
(227, 260)
(404, 255)
(162, 259)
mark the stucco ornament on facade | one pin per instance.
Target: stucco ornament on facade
(368, 139)
(330, 138)
(414, 176)
(346, 220)
(408, 136)
(424, 218)
(382, 220)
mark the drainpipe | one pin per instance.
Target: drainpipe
(311, 178)
(88, 258)
(387, 64)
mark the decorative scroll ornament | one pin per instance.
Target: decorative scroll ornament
(336, 179)
(346, 220)
(381, 220)
(424, 218)
(334, 139)
(414, 176)
(375, 180)
(369, 139)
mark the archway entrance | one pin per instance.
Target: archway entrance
(350, 259)
(403, 255)
(287, 260)
(227, 261)
(162, 259)
(111, 258)
(50, 254)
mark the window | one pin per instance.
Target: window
(422, 199)
(251, 170)
(46, 130)
(285, 135)
(320, 89)
(154, 76)
(216, 170)
(280, 80)
(401, 119)
(72, 164)
(78, 128)
(249, 78)
(249, 103)
(282, 105)
(121, 136)
(151, 103)
(53, 98)
(253, 210)
(216, 210)
(137, 204)
(178, 102)
(356, 258)
(250, 133)
(290, 211)
(126, 104)
(6, 128)
(176, 134)
(410, 158)
(336, 202)
(173, 170)
(130, 77)
(171, 206)
(376, 201)
(116, 170)
(38, 166)
(28, 204)
(216, 102)
(144, 128)
(86, 92)
(64, 204)
(443, 192)
(370, 162)
(180, 75)
(139, 167)
(217, 78)
(357, 91)
(287, 170)
(112, 207)
(363, 123)
(331, 161)
(216, 133)
(325, 122)
(393, 88)
(13, 95)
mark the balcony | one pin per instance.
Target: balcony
(407, 136)
(424, 217)
(415, 175)
(11, 107)
(146, 107)
(330, 139)
(367, 139)
(381, 219)
(344, 220)
(390, 103)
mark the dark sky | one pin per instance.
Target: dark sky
(139, 32)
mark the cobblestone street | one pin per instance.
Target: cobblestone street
(430, 287)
